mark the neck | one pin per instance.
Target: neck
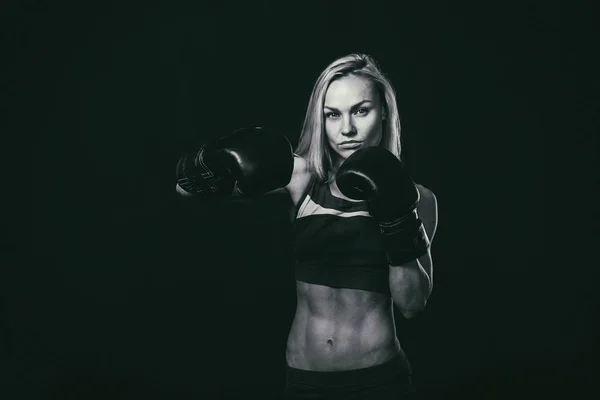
(337, 161)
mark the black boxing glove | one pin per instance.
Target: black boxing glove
(256, 159)
(377, 176)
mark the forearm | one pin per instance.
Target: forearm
(411, 284)
(247, 162)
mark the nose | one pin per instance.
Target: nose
(348, 128)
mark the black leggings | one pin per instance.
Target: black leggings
(390, 380)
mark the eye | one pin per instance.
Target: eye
(362, 111)
(331, 114)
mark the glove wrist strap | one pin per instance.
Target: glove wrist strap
(404, 239)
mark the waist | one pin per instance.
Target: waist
(397, 368)
(340, 329)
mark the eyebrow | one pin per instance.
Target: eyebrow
(352, 108)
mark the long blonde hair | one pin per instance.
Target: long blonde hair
(312, 143)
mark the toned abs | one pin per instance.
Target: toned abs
(337, 329)
(341, 329)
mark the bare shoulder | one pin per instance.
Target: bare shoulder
(426, 194)
(428, 210)
(298, 181)
(300, 178)
(300, 166)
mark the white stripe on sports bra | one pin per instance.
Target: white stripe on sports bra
(309, 207)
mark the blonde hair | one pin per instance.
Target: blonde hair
(312, 143)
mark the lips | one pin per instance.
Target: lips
(350, 144)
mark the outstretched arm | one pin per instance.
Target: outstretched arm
(248, 162)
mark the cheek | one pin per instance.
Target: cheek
(330, 129)
(372, 127)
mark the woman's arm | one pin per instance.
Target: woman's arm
(294, 188)
(251, 160)
(411, 283)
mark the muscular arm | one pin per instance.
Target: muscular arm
(412, 283)
(294, 187)
(236, 193)
(254, 160)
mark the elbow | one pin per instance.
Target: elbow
(412, 312)
(411, 300)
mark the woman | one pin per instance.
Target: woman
(362, 230)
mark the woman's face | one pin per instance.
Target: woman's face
(353, 116)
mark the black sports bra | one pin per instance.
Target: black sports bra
(337, 242)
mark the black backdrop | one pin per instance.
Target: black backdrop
(127, 291)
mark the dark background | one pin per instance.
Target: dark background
(127, 291)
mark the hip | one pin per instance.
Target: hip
(391, 379)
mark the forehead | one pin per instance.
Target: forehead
(349, 90)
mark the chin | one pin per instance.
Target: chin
(345, 153)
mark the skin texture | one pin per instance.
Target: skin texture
(352, 111)
(343, 329)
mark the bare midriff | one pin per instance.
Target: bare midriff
(341, 329)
